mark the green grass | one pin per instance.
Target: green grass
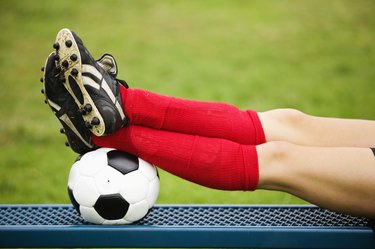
(317, 56)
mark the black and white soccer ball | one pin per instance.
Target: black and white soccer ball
(108, 186)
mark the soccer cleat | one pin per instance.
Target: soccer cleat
(92, 84)
(64, 107)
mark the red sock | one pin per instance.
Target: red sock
(208, 119)
(211, 162)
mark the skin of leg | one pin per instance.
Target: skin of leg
(341, 179)
(296, 127)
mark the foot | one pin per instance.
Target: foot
(95, 91)
(64, 107)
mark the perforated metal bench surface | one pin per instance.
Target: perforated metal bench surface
(188, 226)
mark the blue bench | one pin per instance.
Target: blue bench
(209, 226)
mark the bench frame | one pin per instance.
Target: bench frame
(147, 234)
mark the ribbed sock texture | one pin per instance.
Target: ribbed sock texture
(208, 119)
(211, 162)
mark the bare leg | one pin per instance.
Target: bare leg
(299, 128)
(340, 179)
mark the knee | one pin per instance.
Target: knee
(290, 116)
(283, 124)
(273, 164)
(275, 151)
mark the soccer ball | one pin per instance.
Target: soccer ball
(108, 186)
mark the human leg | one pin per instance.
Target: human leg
(96, 91)
(211, 162)
(341, 179)
(299, 128)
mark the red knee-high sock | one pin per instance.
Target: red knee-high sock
(208, 119)
(211, 162)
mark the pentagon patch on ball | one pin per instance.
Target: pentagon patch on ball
(108, 186)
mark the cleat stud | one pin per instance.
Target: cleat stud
(73, 57)
(42, 69)
(62, 78)
(88, 125)
(74, 72)
(67, 144)
(41, 79)
(88, 108)
(56, 57)
(62, 130)
(58, 69)
(42, 91)
(45, 101)
(82, 111)
(95, 121)
(56, 46)
(65, 63)
(68, 43)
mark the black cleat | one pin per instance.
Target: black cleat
(92, 83)
(65, 109)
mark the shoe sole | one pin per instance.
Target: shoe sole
(50, 103)
(74, 82)
(64, 119)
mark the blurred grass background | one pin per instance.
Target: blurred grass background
(316, 56)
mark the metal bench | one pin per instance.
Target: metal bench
(209, 226)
